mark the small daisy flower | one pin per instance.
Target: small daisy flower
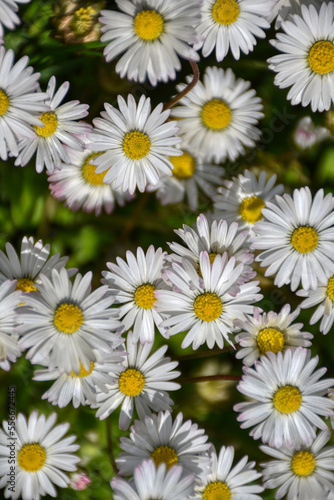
(141, 381)
(307, 135)
(41, 456)
(243, 198)
(306, 62)
(80, 187)
(288, 398)
(79, 481)
(225, 482)
(215, 239)
(136, 142)
(8, 17)
(151, 481)
(133, 285)
(232, 24)
(33, 261)
(270, 332)
(324, 296)
(59, 127)
(301, 473)
(152, 33)
(9, 348)
(20, 101)
(66, 322)
(206, 307)
(297, 237)
(217, 117)
(158, 438)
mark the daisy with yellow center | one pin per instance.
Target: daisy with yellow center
(288, 398)
(297, 235)
(139, 381)
(308, 68)
(323, 297)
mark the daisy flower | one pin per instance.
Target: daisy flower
(9, 300)
(206, 307)
(158, 438)
(20, 101)
(270, 332)
(133, 285)
(297, 236)
(190, 176)
(80, 187)
(135, 141)
(152, 33)
(307, 135)
(41, 456)
(215, 239)
(324, 296)
(33, 261)
(151, 481)
(288, 398)
(301, 473)
(59, 127)
(243, 198)
(218, 116)
(306, 62)
(65, 322)
(141, 381)
(232, 24)
(8, 17)
(226, 482)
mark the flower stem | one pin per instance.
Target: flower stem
(208, 378)
(110, 446)
(187, 89)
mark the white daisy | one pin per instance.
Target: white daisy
(225, 482)
(307, 60)
(9, 300)
(133, 285)
(206, 307)
(232, 24)
(217, 238)
(288, 398)
(8, 17)
(152, 33)
(297, 236)
(66, 322)
(59, 127)
(141, 381)
(40, 456)
(20, 102)
(301, 473)
(79, 186)
(157, 437)
(307, 135)
(33, 261)
(135, 141)
(218, 116)
(324, 296)
(151, 481)
(270, 332)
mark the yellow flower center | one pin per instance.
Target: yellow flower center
(68, 318)
(304, 239)
(88, 171)
(4, 102)
(303, 463)
(25, 285)
(287, 399)
(250, 209)
(131, 382)
(270, 339)
(165, 454)
(50, 124)
(216, 114)
(184, 165)
(148, 25)
(136, 145)
(330, 288)
(31, 457)
(208, 307)
(321, 57)
(83, 20)
(83, 372)
(216, 491)
(144, 296)
(225, 11)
